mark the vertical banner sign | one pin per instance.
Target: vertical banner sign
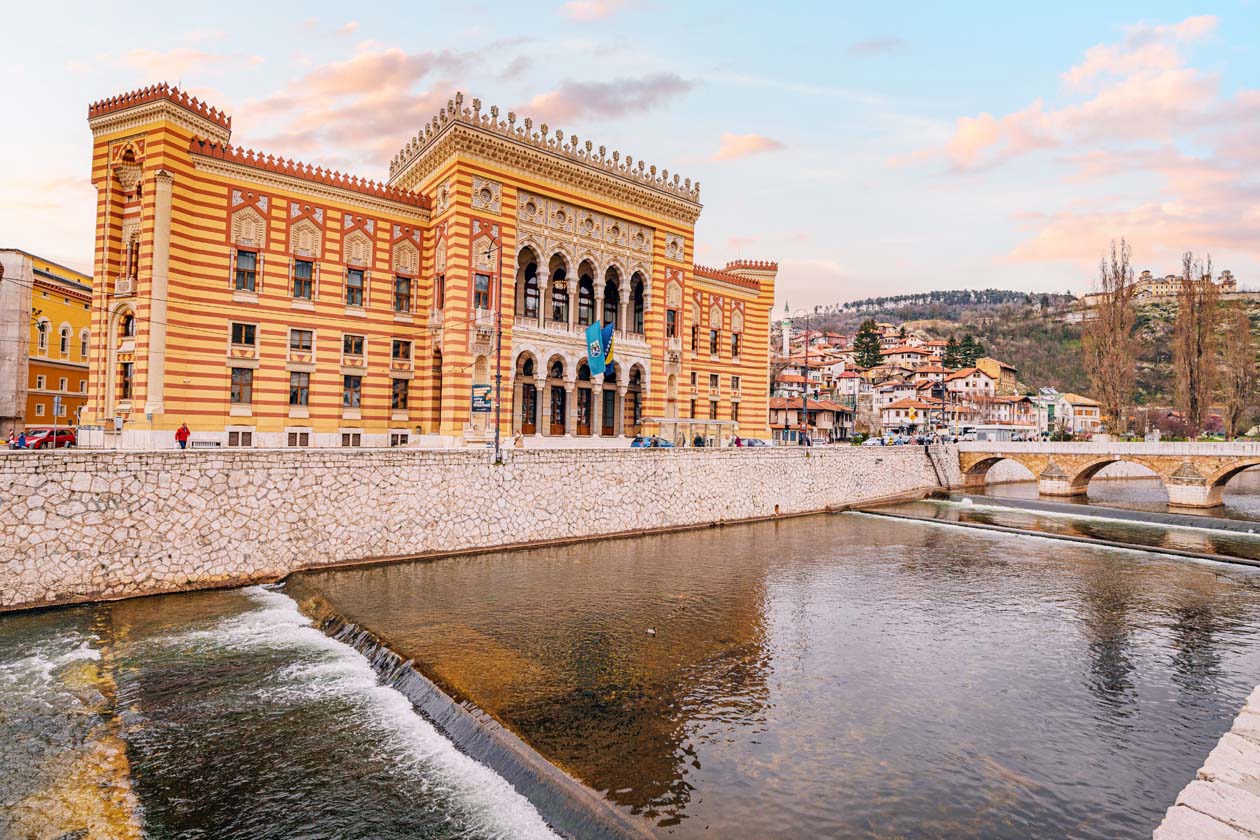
(596, 351)
(481, 399)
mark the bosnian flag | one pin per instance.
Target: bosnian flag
(599, 347)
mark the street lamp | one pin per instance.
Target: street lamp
(498, 347)
(801, 316)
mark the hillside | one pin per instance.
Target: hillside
(1031, 332)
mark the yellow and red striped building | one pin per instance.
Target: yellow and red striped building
(268, 303)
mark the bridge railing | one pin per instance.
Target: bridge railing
(1185, 449)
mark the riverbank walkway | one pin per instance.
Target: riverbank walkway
(1223, 801)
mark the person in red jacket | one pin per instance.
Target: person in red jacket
(181, 436)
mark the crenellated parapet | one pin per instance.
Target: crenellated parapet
(409, 164)
(296, 169)
(752, 265)
(726, 276)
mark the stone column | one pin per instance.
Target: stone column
(155, 381)
(599, 305)
(620, 429)
(573, 306)
(544, 407)
(570, 404)
(597, 409)
(622, 308)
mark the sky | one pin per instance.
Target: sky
(869, 151)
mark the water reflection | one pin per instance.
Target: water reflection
(1241, 498)
(839, 676)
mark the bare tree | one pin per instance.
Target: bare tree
(1195, 362)
(1238, 370)
(1108, 343)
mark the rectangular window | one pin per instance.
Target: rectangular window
(63, 384)
(439, 292)
(354, 287)
(246, 271)
(39, 382)
(398, 399)
(695, 379)
(713, 409)
(735, 383)
(303, 279)
(299, 388)
(39, 409)
(244, 334)
(401, 350)
(481, 292)
(399, 438)
(713, 342)
(240, 438)
(301, 340)
(352, 345)
(735, 411)
(735, 337)
(671, 323)
(299, 438)
(693, 409)
(695, 338)
(351, 438)
(402, 294)
(82, 386)
(713, 382)
(124, 377)
(351, 391)
(242, 386)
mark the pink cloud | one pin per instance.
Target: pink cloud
(736, 146)
(589, 10)
(615, 98)
(348, 28)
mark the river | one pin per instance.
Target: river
(841, 675)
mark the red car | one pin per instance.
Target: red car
(43, 438)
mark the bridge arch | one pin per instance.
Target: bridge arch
(1079, 482)
(977, 475)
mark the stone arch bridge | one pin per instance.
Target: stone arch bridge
(1194, 474)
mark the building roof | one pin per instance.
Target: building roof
(963, 373)
(811, 405)
(906, 348)
(1077, 399)
(910, 402)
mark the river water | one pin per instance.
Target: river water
(838, 675)
(1241, 497)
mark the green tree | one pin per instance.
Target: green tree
(866, 348)
(950, 358)
(969, 350)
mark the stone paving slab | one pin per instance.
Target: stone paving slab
(1223, 803)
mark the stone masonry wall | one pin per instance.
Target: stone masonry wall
(79, 526)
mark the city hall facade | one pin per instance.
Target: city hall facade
(271, 303)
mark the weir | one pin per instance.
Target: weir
(569, 806)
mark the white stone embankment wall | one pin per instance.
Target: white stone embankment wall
(79, 526)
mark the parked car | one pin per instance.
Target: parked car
(755, 442)
(43, 438)
(650, 442)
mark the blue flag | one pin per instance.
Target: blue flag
(598, 347)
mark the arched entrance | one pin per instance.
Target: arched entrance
(435, 409)
(526, 395)
(529, 291)
(558, 402)
(608, 407)
(634, 401)
(583, 395)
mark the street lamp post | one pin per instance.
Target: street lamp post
(498, 348)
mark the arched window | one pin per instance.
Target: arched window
(531, 291)
(84, 341)
(637, 301)
(129, 325)
(586, 301)
(557, 370)
(64, 345)
(42, 340)
(612, 297)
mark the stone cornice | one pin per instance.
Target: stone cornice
(232, 169)
(565, 165)
(133, 117)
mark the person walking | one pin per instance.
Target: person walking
(181, 435)
(21, 441)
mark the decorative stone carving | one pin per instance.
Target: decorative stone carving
(675, 246)
(443, 197)
(439, 257)
(487, 195)
(406, 258)
(484, 258)
(715, 316)
(305, 239)
(249, 228)
(673, 295)
(356, 249)
(737, 321)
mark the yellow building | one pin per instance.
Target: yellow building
(45, 316)
(272, 303)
